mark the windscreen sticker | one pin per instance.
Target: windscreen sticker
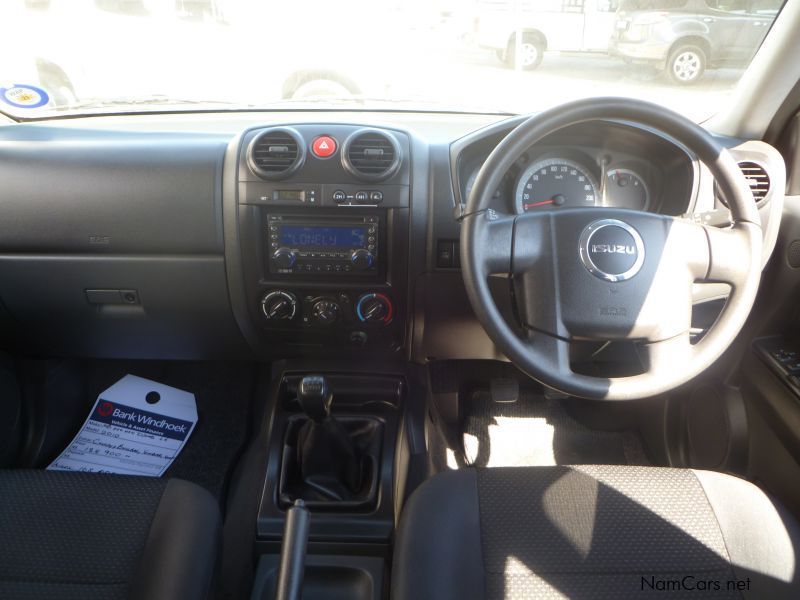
(136, 427)
(24, 96)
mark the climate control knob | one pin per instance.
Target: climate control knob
(284, 258)
(325, 311)
(374, 308)
(279, 306)
(362, 259)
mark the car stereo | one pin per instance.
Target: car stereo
(330, 245)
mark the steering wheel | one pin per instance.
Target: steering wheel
(609, 274)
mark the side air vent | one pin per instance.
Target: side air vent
(371, 155)
(758, 180)
(276, 153)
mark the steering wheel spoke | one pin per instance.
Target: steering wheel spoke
(552, 352)
(491, 247)
(663, 358)
(732, 253)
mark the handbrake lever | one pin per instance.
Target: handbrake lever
(293, 553)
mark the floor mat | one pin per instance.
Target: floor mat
(223, 392)
(535, 431)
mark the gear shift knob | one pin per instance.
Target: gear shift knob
(315, 397)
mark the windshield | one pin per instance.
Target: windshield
(98, 56)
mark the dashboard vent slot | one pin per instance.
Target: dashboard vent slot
(276, 153)
(757, 178)
(371, 155)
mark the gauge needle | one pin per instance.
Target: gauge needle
(533, 204)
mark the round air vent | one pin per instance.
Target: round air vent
(276, 153)
(371, 155)
(757, 178)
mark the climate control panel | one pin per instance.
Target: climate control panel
(281, 308)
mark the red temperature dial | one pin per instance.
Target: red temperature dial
(374, 308)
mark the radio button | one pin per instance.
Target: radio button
(284, 258)
(376, 196)
(362, 259)
(339, 196)
(362, 197)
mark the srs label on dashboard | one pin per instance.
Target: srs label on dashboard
(136, 427)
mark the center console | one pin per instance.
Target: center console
(338, 446)
(317, 259)
(322, 227)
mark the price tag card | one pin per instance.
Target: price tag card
(136, 427)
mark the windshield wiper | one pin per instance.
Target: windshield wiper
(414, 104)
(137, 101)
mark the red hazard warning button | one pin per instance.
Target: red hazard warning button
(324, 146)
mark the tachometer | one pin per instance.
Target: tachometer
(471, 183)
(555, 183)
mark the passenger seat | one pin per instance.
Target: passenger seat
(95, 536)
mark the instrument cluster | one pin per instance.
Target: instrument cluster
(617, 167)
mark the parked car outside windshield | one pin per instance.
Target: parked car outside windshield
(101, 56)
(683, 38)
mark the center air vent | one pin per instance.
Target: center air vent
(758, 180)
(371, 155)
(276, 153)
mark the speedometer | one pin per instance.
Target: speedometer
(554, 183)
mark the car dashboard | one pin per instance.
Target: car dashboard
(298, 234)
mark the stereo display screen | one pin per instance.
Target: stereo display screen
(323, 237)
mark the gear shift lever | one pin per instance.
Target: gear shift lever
(327, 456)
(315, 397)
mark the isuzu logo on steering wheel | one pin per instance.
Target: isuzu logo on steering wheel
(612, 250)
(609, 249)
